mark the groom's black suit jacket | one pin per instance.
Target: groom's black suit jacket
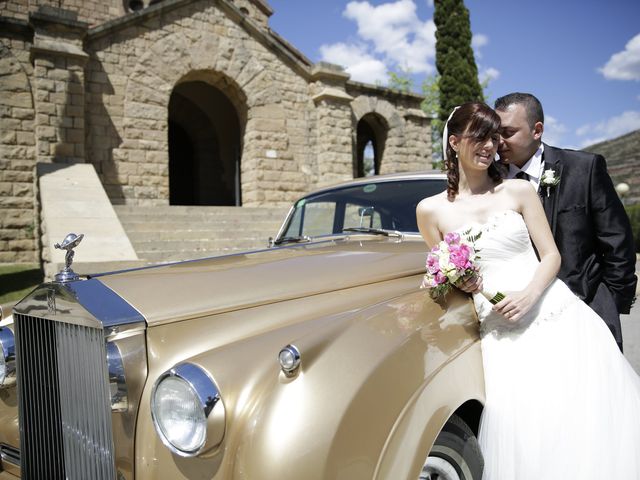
(592, 232)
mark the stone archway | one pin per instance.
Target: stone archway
(384, 122)
(371, 137)
(176, 59)
(204, 146)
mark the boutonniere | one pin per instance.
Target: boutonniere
(549, 179)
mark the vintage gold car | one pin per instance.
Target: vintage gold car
(317, 358)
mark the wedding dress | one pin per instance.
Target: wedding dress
(562, 402)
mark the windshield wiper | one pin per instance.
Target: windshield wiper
(374, 231)
(299, 239)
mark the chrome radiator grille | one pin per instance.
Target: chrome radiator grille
(64, 402)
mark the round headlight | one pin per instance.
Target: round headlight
(187, 411)
(7, 358)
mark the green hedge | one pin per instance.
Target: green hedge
(634, 215)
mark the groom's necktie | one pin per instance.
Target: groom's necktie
(522, 175)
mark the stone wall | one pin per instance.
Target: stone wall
(75, 93)
(128, 97)
(89, 11)
(18, 225)
(408, 146)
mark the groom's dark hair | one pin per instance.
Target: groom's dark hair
(531, 104)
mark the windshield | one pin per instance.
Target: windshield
(387, 205)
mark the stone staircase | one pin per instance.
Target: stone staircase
(173, 233)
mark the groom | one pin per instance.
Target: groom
(589, 224)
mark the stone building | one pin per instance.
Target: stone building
(181, 102)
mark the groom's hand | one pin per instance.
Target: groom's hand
(471, 283)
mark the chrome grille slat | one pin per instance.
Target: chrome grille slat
(64, 403)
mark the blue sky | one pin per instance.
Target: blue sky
(581, 58)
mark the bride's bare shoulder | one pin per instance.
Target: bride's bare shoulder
(430, 206)
(516, 185)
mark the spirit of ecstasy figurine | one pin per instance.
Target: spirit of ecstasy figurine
(70, 242)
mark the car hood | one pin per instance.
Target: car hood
(203, 287)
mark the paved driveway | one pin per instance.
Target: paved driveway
(631, 330)
(631, 336)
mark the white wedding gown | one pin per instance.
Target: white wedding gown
(562, 401)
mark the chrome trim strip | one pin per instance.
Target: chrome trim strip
(10, 460)
(117, 380)
(89, 303)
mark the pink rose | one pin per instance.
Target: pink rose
(459, 260)
(440, 278)
(452, 238)
(432, 264)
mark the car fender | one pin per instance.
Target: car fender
(367, 382)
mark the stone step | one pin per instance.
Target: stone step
(146, 217)
(173, 233)
(151, 225)
(194, 208)
(187, 244)
(165, 257)
(131, 213)
(139, 236)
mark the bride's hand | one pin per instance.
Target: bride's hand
(515, 304)
(470, 284)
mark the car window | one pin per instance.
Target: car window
(388, 205)
(361, 216)
(313, 219)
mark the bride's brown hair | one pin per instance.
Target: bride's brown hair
(478, 122)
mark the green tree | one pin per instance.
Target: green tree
(400, 81)
(454, 57)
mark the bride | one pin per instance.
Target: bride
(561, 400)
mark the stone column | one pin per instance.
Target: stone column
(58, 84)
(334, 124)
(418, 137)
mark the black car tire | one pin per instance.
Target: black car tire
(455, 454)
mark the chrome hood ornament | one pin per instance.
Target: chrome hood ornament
(70, 242)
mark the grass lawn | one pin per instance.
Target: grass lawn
(18, 279)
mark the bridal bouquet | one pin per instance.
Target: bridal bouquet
(451, 260)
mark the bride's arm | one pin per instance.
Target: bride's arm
(427, 222)
(518, 303)
(427, 219)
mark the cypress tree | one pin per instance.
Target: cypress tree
(454, 57)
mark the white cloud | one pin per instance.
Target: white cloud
(489, 74)
(478, 41)
(611, 128)
(395, 31)
(390, 37)
(430, 3)
(554, 130)
(362, 66)
(624, 65)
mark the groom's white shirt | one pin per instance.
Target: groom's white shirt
(533, 168)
